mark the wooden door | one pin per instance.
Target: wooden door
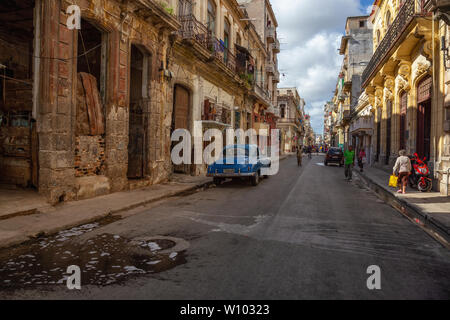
(136, 143)
(424, 129)
(137, 123)
(181, 117)
(181, 108)
(423, 142)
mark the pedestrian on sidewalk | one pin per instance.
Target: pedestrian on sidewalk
(299, 156)
(361, 159)
(349, 156)
(402, 169)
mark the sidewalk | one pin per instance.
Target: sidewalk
(34, 217)
(51, 219)
(430, 207)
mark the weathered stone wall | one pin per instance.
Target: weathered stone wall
(62, 156)
(55, 101)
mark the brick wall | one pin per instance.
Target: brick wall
(89, 156)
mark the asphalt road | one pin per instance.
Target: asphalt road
(305, 233)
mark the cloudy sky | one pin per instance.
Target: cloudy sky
(310, 33)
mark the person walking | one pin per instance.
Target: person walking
(361, 159)
(299, 156)
(349, 156)
(402, 169)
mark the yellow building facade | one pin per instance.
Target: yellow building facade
(405, 84)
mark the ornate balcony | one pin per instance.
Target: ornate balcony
(270, 67)
(262, 94)
(363, 125)
(270, 34)
(403, 19)
(276, 76)
(437, 5)
(276, 46)
(194, 30)
(291, 121)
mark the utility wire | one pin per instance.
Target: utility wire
(52, 58)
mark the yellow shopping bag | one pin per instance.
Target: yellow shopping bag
(393, 180)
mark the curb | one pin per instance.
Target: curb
(23, 238)
(410, 210)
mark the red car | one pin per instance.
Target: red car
(334, 155)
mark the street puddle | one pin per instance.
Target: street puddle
(103, 260)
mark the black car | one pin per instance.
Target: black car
(334, 155)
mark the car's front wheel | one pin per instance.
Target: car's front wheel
(255, 179)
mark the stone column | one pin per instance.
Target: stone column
(55, 101)
(117, 112)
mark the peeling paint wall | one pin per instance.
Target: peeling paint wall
(64, 158)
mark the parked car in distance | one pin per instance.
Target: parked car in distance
(239, 161)
(334, 155)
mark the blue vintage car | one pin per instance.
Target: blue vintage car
(239, 161)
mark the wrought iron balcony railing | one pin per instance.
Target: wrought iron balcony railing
(270, 67)
(406, 14)
(192, 29)
(262, 93)
(270, 34)
(276, 76)
(276, 46)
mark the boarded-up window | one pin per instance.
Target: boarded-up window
(89, 107)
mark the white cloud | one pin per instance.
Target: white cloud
(310, 32)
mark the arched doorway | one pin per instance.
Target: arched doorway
(180, 117)
(423, 142)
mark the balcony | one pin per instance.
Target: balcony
(270, 67)
(270, 34)
(288, 121)
(441, 5)
(276, 46)
(276, 76)
(363, 125)
(403, 19)
(193, 30)
(261, 94)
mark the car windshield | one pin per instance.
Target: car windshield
(335, 151)
(236, 152)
